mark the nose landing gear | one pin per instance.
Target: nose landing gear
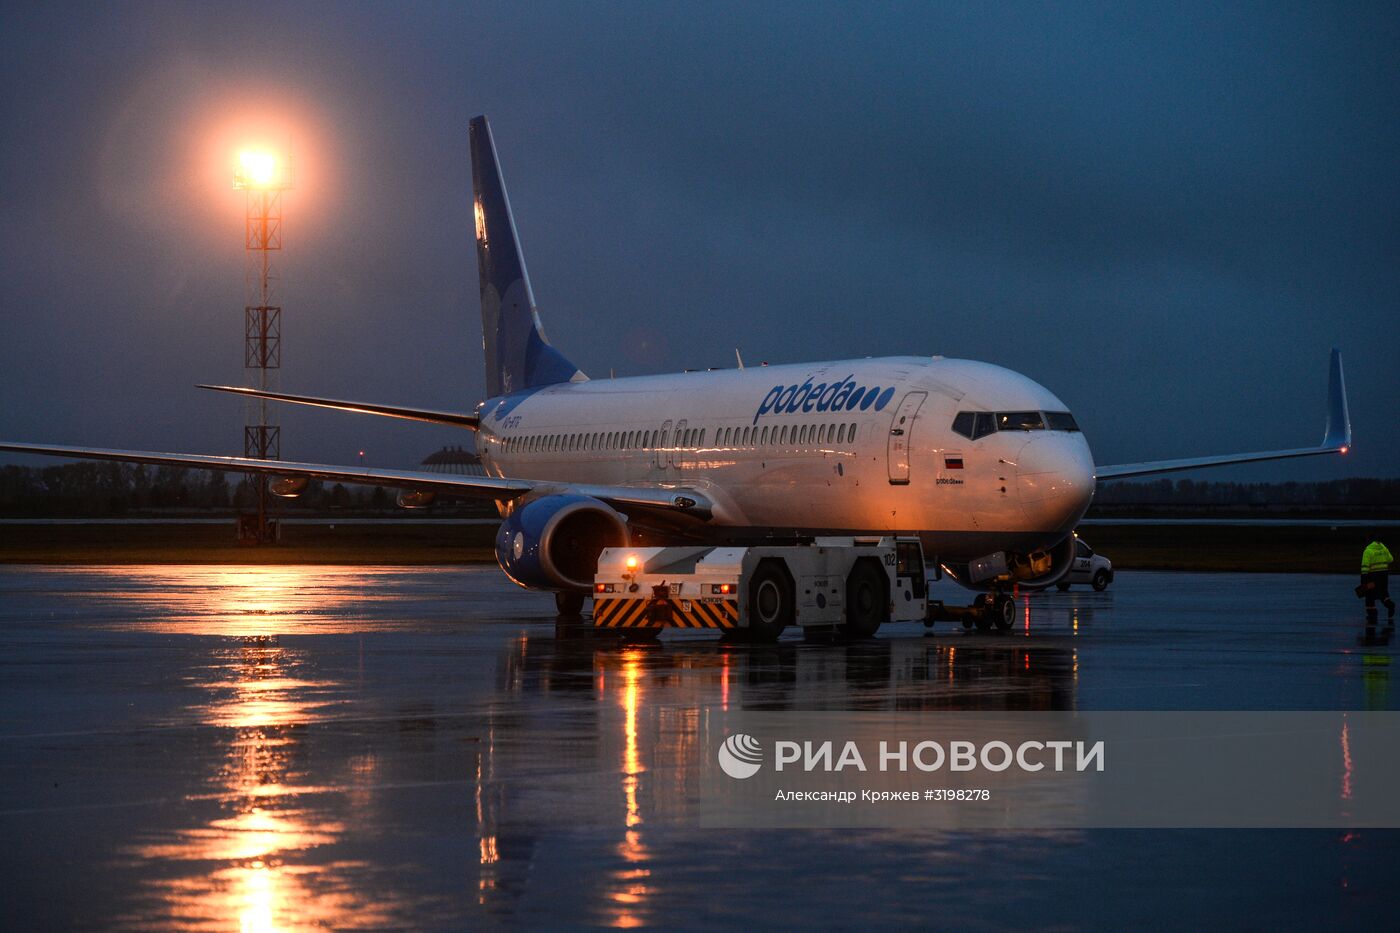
(994, 610)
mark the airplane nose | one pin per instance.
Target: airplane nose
(1055, 480)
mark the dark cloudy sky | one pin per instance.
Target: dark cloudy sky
(1165, 214)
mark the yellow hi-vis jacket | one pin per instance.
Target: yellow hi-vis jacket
(1375, 557)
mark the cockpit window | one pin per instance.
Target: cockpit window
(1020, 421)
(974, 424)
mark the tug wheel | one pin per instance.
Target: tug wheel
(867, 606)
(771, 602)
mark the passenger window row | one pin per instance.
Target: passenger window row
(975, 424)
(598, 440)
(787, 435)
(686, 438)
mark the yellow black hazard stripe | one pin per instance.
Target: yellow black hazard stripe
(619, 613)
(724, 614)
(633, 613)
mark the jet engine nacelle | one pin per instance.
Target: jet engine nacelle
(1030, 571)
(416, 499)
(553, 542)
(288, 487)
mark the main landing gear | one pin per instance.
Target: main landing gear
(569, 604)
(998, 609)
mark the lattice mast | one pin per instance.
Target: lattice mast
(262, 181)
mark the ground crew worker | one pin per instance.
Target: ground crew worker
(1375, 581)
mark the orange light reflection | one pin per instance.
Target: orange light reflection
(253, 864)
(629, 896)
(200, 599)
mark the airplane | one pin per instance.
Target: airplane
(988, 468)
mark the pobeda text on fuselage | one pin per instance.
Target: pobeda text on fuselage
(841, 395)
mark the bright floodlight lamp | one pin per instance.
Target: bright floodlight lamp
(257, 169)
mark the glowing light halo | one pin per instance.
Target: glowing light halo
(258, 168)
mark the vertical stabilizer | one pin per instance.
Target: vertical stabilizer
(518, 356)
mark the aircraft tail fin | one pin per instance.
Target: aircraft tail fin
(518, 356)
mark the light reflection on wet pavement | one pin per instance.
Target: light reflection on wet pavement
(284, 748)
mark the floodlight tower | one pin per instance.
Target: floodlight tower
(262, 180)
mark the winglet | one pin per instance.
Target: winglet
(1337, 440)
(1338, 434)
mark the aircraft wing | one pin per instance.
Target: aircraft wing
(456, 419)
(678, 501)
(1335, 440)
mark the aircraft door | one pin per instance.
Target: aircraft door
(674, 449)
(661, 450)
(901, 436)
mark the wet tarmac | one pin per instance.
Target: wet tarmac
(277, 748)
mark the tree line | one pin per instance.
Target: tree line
(1341, 495)
(90, 489)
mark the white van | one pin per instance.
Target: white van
(1087, 567)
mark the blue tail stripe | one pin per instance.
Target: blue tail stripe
(545, 365)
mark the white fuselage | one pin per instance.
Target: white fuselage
(856, 446)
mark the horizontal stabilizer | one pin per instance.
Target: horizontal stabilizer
(1336, 439)
(456, 419)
